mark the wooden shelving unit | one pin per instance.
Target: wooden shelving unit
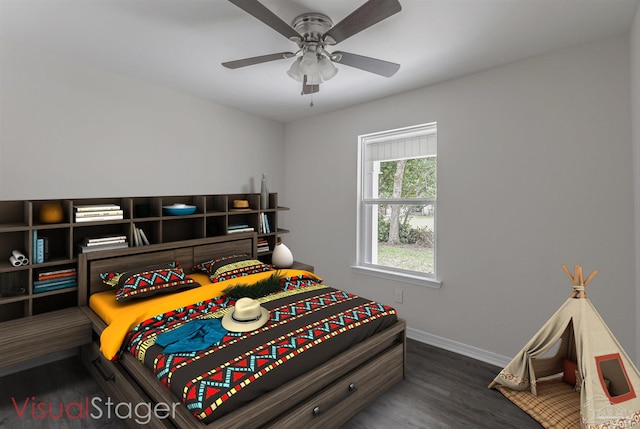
(20, 219)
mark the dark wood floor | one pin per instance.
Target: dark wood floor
(441, 390)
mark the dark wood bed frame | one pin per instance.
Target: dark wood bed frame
(326, 397)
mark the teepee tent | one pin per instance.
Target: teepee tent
(587, 352)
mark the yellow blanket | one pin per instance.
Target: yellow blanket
(122, 317)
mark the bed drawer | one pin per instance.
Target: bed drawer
(337, 403)
(117, 384)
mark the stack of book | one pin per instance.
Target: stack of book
(97, 212)
(264, 224)
(103, 243)
(263, 245)
(58, 279)
(233, 229)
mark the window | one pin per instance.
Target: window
(614, 379)
(397, 190)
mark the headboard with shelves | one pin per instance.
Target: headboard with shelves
(20, 227)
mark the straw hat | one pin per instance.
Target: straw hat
(240, 206)
(247, 315)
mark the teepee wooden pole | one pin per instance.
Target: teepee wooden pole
(578, 280)
(591, 277)
(566, 270)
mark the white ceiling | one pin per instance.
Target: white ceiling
(181, 43)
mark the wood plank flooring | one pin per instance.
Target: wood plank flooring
(442, 390)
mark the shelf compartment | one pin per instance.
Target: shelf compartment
(216, 204)
(188, 200)
(13, 284)
(253, 199)
(216, 226)
(180, 228)
(151, 231)
(54, 274)
(58, 240)
(12, 310)
(146, 207)
(18, 240)
(14, 215)
(243, 218)
(54, 300)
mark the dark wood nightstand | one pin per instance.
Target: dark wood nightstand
(301, 266)
(35, 336)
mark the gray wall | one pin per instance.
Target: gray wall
(535, 170)
(71, 130)
(635, 123)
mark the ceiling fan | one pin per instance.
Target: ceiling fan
(313, 32)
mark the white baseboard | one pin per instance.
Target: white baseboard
(460, 348)
(22, 366)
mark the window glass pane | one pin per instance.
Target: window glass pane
(407, 178)
(405, 237)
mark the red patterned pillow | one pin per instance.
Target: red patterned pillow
(232, 266)
(147, 281)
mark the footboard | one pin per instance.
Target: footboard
(326, 397)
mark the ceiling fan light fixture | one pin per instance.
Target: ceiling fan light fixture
(309, 62)
(327, 69)
(295, 71)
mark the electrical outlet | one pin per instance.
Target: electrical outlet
(399, 296)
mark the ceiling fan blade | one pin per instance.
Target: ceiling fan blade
(257, 10)
(257, 60)
(373, 65)
(370, 13)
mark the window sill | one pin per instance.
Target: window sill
(397, 276)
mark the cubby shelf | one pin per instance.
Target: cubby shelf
(20, 221)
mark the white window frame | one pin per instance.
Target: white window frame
(366, 225)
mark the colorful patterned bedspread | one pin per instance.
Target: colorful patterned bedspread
(309, 323)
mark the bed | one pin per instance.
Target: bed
(316, 366)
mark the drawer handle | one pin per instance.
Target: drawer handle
(98, 365)
(318, 411)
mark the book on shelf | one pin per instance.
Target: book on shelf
(98, 218)
(54, 287)
(109, 246)
(266, 223)
(56, 276)
(42, 250)
(145, 240)
(34, 259)
(95, 207)
(56, 272)
(115, 239)
(241, 226)
(237, 230)
(95, 240)
(119, 240)
(65, 281)
(99, 213)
